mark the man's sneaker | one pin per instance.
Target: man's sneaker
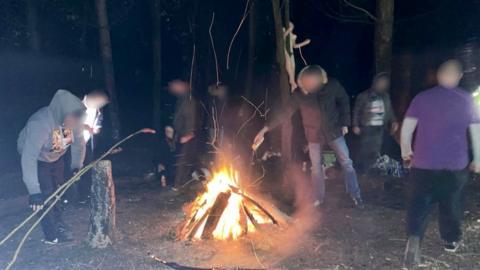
(451, 246)
(51, 241)
(358, 203)
(412, 253)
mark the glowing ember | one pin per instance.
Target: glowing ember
(223, 211)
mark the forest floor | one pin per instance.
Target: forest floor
(340, 237)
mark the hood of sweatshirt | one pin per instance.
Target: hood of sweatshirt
(64, 103)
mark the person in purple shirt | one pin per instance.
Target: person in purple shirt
(442, 117)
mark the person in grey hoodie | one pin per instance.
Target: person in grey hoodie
(42, 143)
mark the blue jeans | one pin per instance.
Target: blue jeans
(339, 146)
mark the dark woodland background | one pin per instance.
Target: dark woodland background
(50, 44)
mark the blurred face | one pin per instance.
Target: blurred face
(449, 76)
(178, 87)
(71, 121)
(97, 102)
(169, 132)
(310, 82)
(381, 85)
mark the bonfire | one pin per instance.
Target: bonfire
(225, 211)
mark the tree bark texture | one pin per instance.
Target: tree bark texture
(283, 85)
(384, 35)
(107, 60)
(102, 206)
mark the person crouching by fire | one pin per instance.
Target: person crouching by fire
(325, 110)
(94, 101)
(186, 125)
(442, 117)
(42, 144)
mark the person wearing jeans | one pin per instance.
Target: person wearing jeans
(324, 107)
(339, 147)
(441, 117)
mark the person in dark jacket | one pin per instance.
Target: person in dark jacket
(186, 124)
(372, 114)
(42, 144)
(325, 111)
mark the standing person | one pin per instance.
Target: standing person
(373, 114)
(165, 157)
(186, 124)
(325, 110)
(94, 102)
(441, 117)
(42, 143)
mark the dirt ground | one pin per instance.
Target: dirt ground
(147, 217)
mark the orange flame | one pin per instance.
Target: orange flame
(236, 217)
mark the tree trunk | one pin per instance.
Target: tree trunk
(102, 206)
(384, 35)
(284, 86)
(32, 25)
(106, 51)
(155, 9)
(252, 31)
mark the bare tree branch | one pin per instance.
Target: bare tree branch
(366, 12)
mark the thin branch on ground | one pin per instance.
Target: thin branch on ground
(256, 256)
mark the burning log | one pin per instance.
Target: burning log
(102, 206)
(224, 211)
(216, 212)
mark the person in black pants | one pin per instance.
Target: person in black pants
(50, 177)
(442, 118)
(42, 145)
(427, 187)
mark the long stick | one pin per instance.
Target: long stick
(59, 193)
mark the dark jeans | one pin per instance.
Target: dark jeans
(185, 162)
(50, 176)
(370, 145)
(427, 187)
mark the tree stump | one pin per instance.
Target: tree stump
(102, 206)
